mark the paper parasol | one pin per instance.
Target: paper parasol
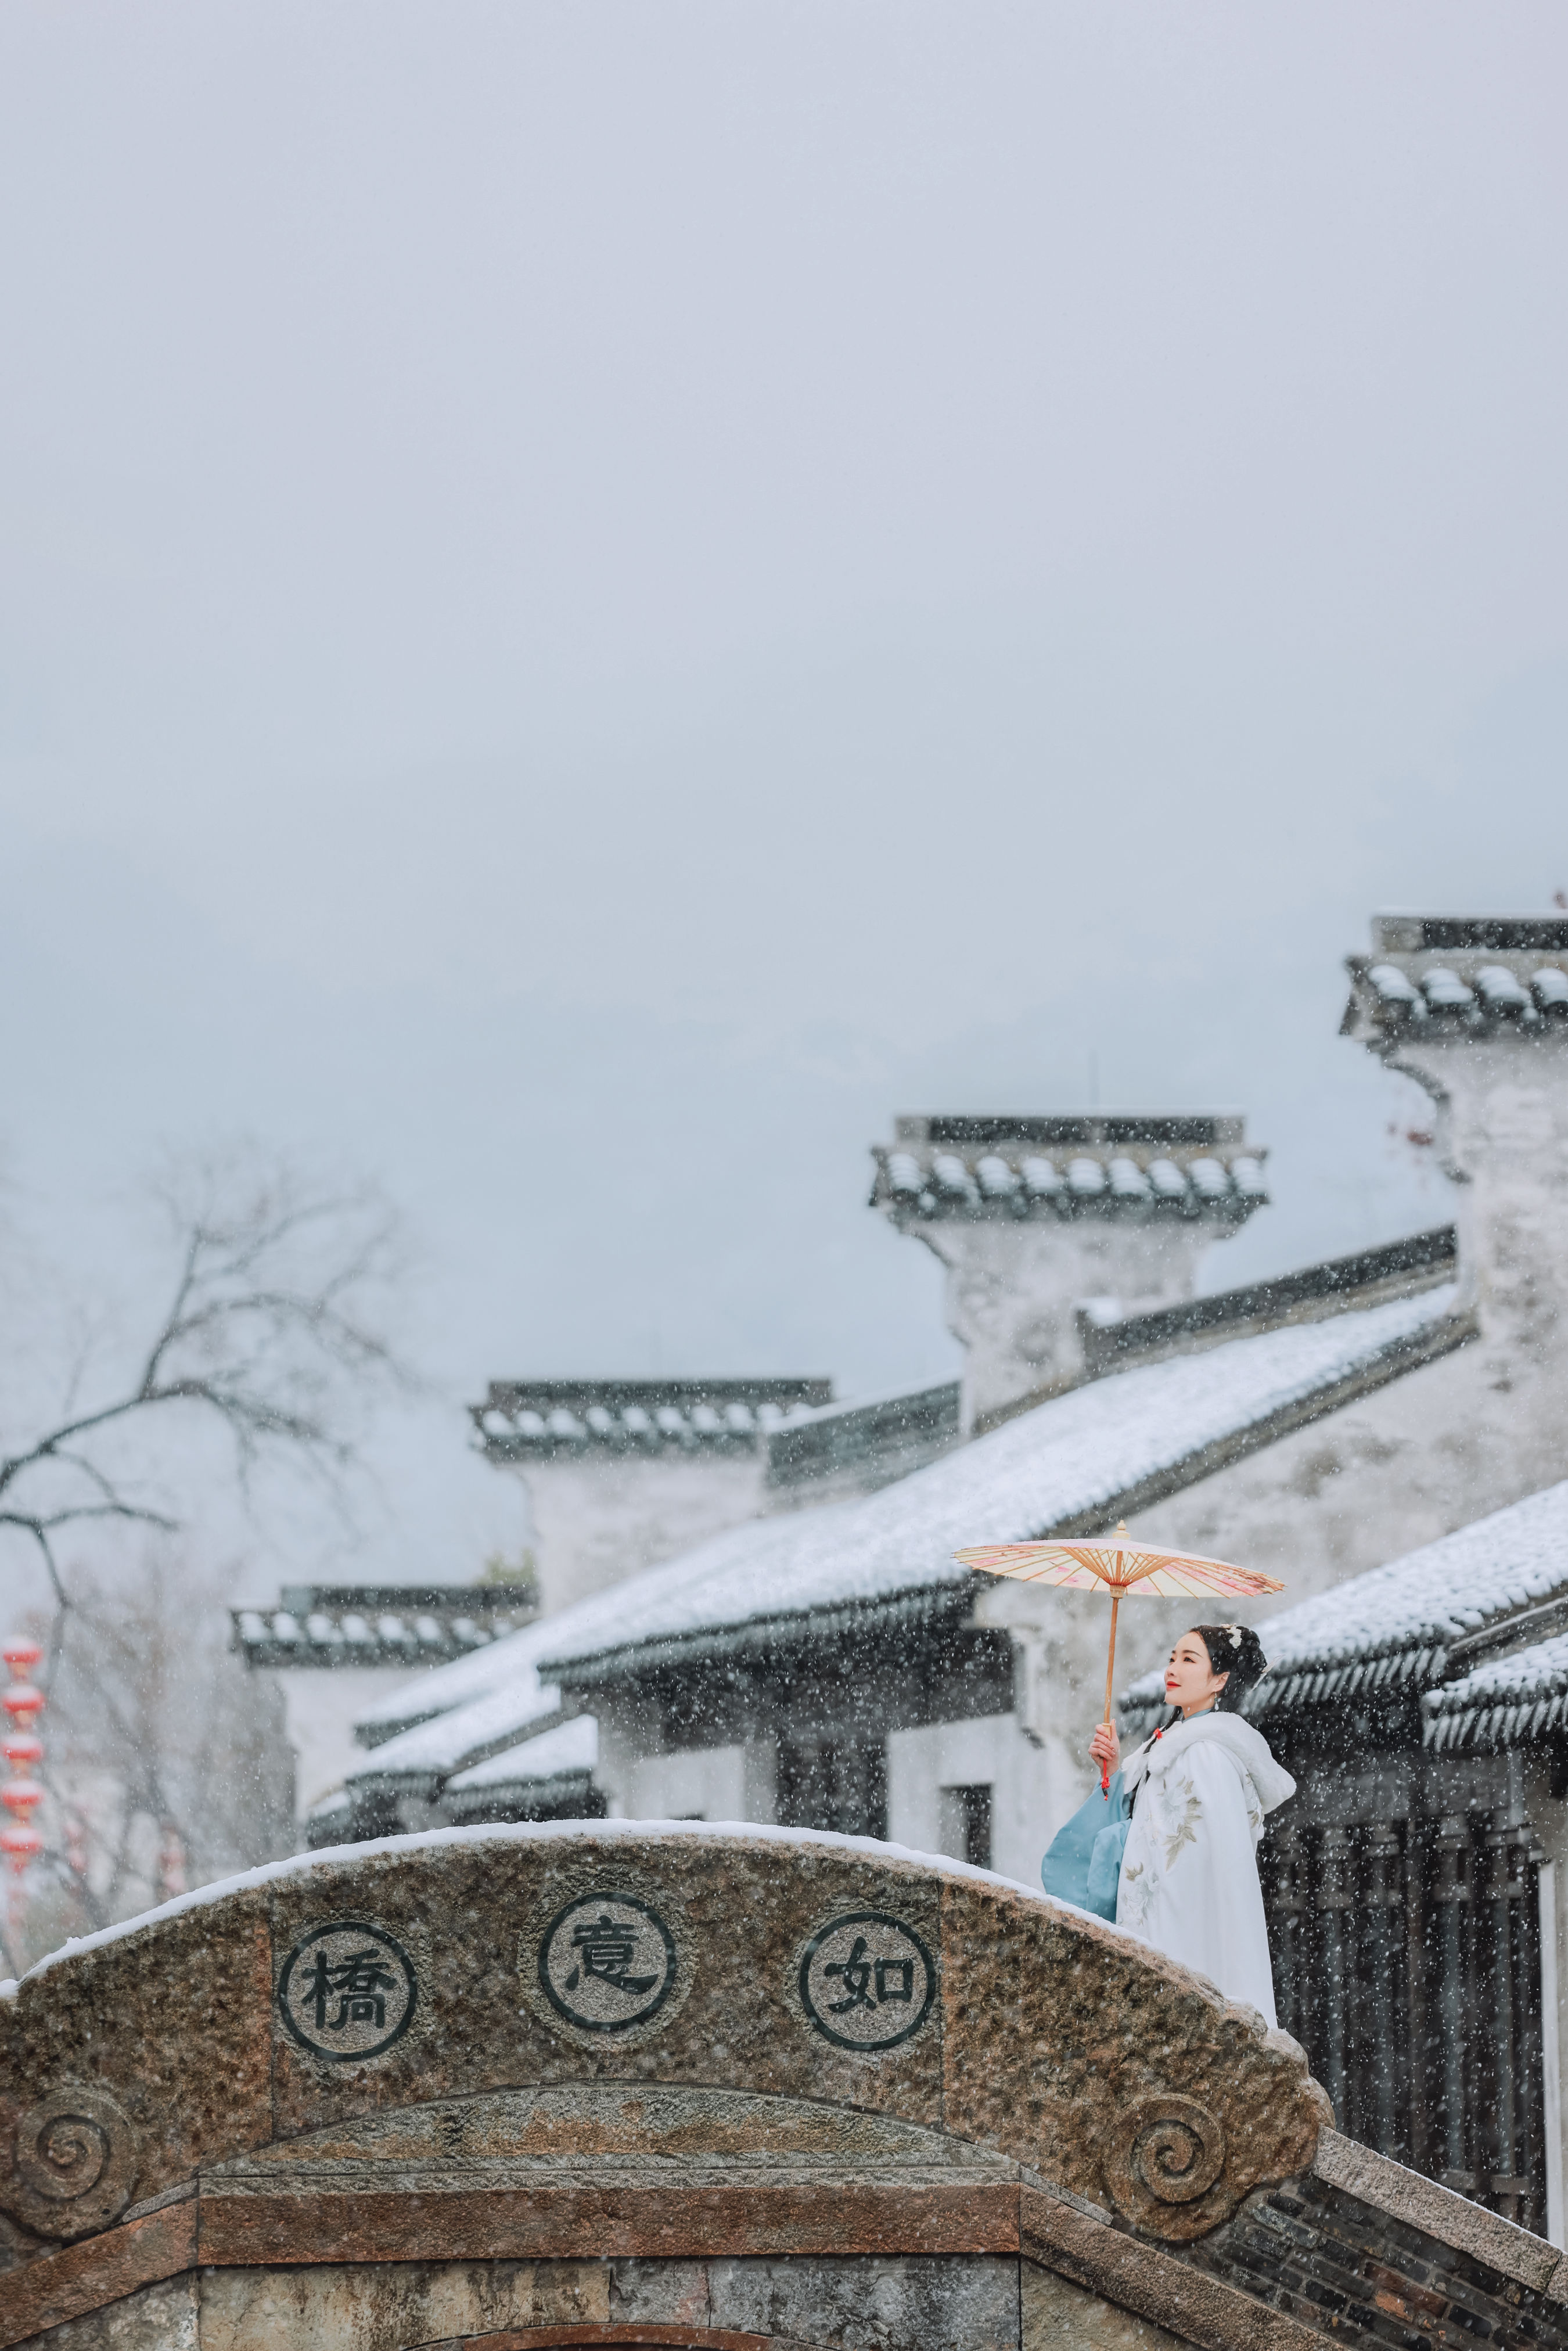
(1121, 1565)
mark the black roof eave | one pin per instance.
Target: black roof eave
(760, 1635)
(633, 1659)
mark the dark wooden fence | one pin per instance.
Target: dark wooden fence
(1407, 1964)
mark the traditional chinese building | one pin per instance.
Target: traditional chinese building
(834, 1667)
(1475, 1010)
(623, 1473)
(1312, 1426)
(1041, 1220)
(1418, 1885)
(335, 1649)
(829, 1666)
(520, 2089)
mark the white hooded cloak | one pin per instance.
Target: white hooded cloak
(1189, 1872)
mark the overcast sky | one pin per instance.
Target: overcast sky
(597, 598)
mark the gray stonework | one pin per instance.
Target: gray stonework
(991, 2123)
(386, 2305)
(960, 2304)
(865, 2304)
(1054, 2314)
(162, 2317)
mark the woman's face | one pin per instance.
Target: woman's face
(1190, 1679)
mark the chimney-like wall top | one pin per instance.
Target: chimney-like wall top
(1507, 934)
(1087, 1127)
(1457, 976)
(536, 1420)
(1131, 1165)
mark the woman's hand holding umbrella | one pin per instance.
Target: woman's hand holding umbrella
(1118, 1565)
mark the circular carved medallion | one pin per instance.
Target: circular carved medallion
(348, 1990)
(76, 2158)
(606, 1963)
(867, 1981)
(1161, 2150)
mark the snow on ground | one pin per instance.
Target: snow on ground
(1514, 1559)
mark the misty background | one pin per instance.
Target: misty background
(595, 600)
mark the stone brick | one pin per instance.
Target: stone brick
(1057, 2029)
(872, 2304)
(722, 2168)
(603, 2220)
(155, 2319)
(383, 2306)
(67, 2281)
(1354, 2269)
(172, 2019)
(661, 2294)
(1056, 2316)
(481, 2025)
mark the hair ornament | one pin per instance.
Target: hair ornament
(1235, 1633)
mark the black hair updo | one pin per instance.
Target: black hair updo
(1236, 1650)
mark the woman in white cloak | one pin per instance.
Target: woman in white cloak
(1200, 1790)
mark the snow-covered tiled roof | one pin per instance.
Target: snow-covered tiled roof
(378, 1625)
(1511, 1699)
(1093, 1164)
(883, 1436)
(480, 1705)
(1368, 1278)
(495, 1666)
(431, 1750)
(1461, 976)
(1076, 1462)
(1402, 1622)
(542, 1420)
(569, 1750)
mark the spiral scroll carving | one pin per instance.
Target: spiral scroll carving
(1162, 2150)
(74, 2163)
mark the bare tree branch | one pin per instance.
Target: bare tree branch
(267, 1331)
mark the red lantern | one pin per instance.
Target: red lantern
(20, 1846)
(19, 1840)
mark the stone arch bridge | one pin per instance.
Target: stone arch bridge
(727, 2089)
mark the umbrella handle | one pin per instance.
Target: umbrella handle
(1109, 1677)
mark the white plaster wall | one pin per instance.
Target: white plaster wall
(600, 1519)
(319, 1707)
(1446, 1443)
(1033, 1789)
(693, 1784)
(626, 1734)
(1013, 1288)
